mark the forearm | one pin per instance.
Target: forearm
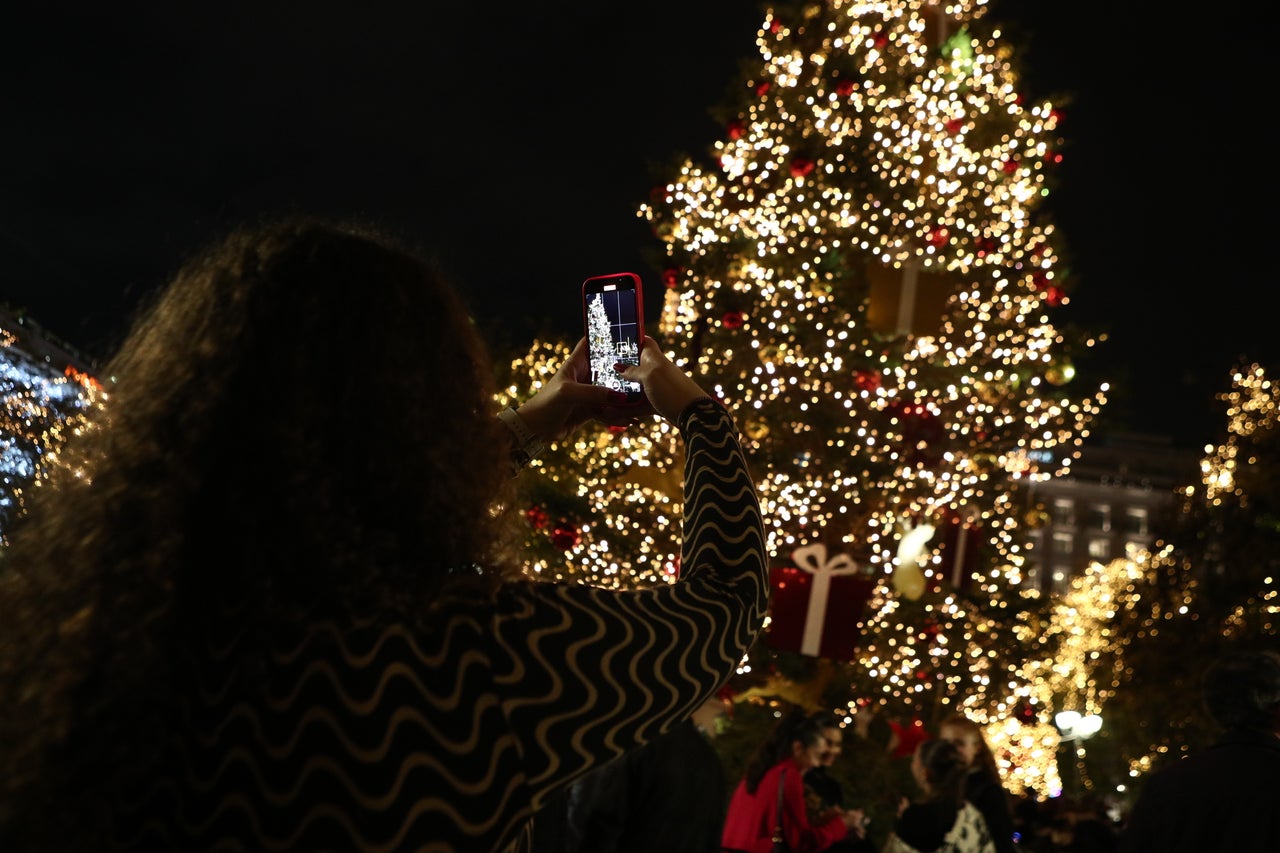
(723, 529)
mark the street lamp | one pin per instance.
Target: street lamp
(1077, 727)
(1074, 726)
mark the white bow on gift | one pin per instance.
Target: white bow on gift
(908, 576)
(813, 559)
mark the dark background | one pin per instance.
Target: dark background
(518, 142)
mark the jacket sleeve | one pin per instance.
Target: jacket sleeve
(585, 673)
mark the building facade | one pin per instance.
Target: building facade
(1105, 507)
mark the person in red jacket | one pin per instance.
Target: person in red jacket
(796, 745)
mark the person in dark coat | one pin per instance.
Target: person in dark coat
(667, 796)
(1226, 797)
(941, 820)
(982, 784)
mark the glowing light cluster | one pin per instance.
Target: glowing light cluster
(40, 408)
(1026, 755)
(1088, 661)
(1251, 408)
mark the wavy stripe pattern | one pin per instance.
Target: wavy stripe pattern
(448, 738)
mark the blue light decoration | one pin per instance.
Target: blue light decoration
(46, 394)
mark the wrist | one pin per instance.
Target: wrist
(527, 446)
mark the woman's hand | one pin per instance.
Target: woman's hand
(667, 388)
(856, 822)
(568, 400)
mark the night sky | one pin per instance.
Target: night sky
(517, 145)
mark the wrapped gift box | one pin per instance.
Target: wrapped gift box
(818, 605)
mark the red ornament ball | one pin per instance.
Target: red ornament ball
(736, 129)
(1053, 295)
(536, 516)
(670, 278)
(733, 320)
(565, 536)
(762, 88)
(845, 88)
(867, 380)
(801, 166)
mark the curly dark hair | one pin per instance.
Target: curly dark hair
(301, 423)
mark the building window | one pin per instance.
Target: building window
(1100, 548)
(1064, 544)
(1100, 517)
(1064, 512)
(1135, 521)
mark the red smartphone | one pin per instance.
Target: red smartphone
(613, 316)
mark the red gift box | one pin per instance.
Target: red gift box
(818, 605)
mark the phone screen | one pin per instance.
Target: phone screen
(613, 313)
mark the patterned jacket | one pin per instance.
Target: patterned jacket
(449, 736)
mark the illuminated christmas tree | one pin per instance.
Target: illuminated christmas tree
(41, 404)
(865, 275)
(1214, 587)
(600, 338)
